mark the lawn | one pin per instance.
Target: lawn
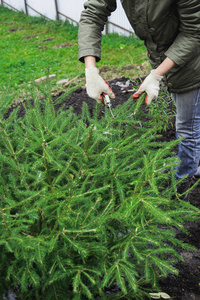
(31, 47)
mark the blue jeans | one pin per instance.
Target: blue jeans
(188, 127)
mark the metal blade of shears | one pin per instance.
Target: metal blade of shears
(105, 99)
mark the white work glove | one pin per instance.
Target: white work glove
(151, 86)
(95, 85)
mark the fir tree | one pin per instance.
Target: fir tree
(86, 203)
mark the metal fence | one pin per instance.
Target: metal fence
(68, 9)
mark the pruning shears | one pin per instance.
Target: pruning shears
(105, 99)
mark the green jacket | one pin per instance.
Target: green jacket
(168, 28)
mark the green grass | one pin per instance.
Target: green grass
(25, 59)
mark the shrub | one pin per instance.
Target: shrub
(85, 204)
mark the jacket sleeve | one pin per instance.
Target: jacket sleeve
(187, 42)
(91, 25)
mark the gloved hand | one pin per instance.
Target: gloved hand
(95, 85)
(151, 86)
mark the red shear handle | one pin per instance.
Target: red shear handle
(102, 96)
(137, 96)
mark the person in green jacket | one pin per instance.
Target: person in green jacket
(170, 30)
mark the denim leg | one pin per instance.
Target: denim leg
(188, 127)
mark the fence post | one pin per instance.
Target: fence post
(106, 28)
(56, 6)
(2, 2)
(26, 8)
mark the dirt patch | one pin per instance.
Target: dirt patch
(7, 23)
(63, 45)
(14, 29)
(48, 40)
(105, 69)
(42, 47)
(29, 37)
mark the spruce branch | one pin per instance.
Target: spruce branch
(139, 102)
(88, 140)
(8, 145)
(45, 164)
(4, 221)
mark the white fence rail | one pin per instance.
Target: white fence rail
(68, 9)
